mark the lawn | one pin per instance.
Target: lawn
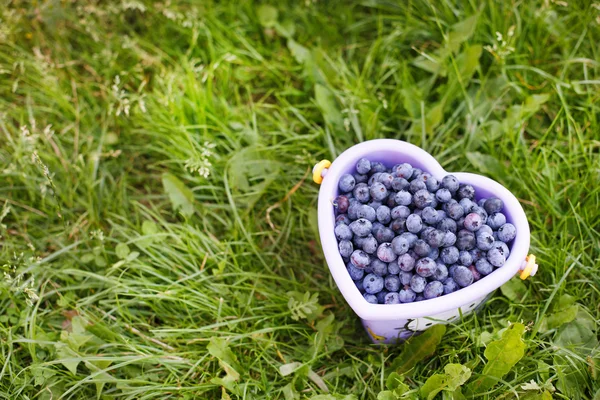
(158, 222)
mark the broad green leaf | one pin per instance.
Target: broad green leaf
(597, 395)
(299, 52)
(67, 357)
(289, 392)
(267, 15)
(516, 115)
(571, 377)
(514, 289)
(285, 28)
(565, 301)
(103, 377)
(458, 395)
(434, 384)
(411, 99)
(455, 375)
(386, 395)
(418, 348)
(430, 64)
(467, 62)
(182, 198)
(502, 355)
(317, 380)
(562, 317)
(219, 348)
(579, 334)
(485, 163)
(327, 104)
(122, 250)
(149, 228)
(394, 380)
(461, 32)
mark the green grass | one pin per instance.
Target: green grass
(81, 318)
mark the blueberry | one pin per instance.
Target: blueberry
(385, 253)
(398, 225)
(495, 257)
(467, 205)
(414, 224)
(435, 238)
(430, 215)
(443, 195)
(416, 172)
(376, 167)
(360, 259)
(359, 285)
(406, 295)
(481, 212)
(410, 237)
(454, 211)
(369, 245)
(449, 255)
(432, 184)
(373, 283)
(417, 211)
(417, 185)
(450, 182)
(358, 241)
(366, 212)
(406, 262)
(485, 228)
(404, 170)
(355, 273)
(405, 277)
(400, 212)
(466, 191)
(378, 191)
(434, 253)
(464, 258)
(481, 202)
(361, 192)
(361, 227)
(475, 273)
(434, 202)
(465, 240)
(374, 204)
(422, 198)
(473, 222)
(447, 225)
(343, 232)
(391, 200)
(493, 205)
(353, 210)
(418, 283)
(363, 166)
(378, 267)
(381, 296)
(403, 198)
(373, 178)
(342, 219)
(400, 184)
(346, 248)
(346, 183)
(462, 275)
(433, 289)
(441, 215)
(421, 248)
(400, 245)
(393, 268)
(370, 298)
(484, 267)
(450, 286)
(452, 269)
(460, 223)
(392, 283)
(449, 239)
(425, 267)
(384, 234)
(341, 204)
(476, 254)
(484, 240)
(441, 272)
(383, 214)
(419, 297)
(502, 247)
(386, 180)
(507, 232)
(375, 226)
(392, 298)
(359, 178)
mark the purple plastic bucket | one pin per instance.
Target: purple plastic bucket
(390, 323)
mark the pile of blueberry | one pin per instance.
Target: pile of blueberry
(405, 236)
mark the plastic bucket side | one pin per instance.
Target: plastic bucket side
(376, 316)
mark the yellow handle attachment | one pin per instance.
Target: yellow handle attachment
(530, 267)
(318, 170)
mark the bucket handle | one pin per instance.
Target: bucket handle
(320, 170)
(528, 267)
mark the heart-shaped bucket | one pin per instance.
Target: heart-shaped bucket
(390, 323)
